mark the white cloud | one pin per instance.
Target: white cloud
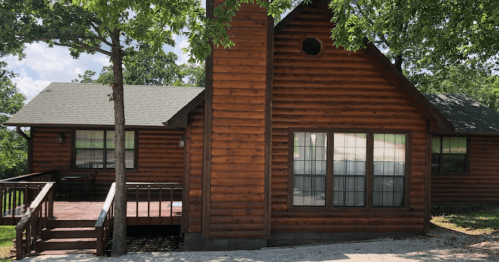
(182, 57)
(55, 64)
(29, 87)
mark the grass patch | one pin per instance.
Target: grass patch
(7, 233)
(476, 219)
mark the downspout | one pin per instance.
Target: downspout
(30, 149)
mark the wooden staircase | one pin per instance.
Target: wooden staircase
(67, 237)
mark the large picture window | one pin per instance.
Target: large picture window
(344, 170)
(94, 149)
(449, 154)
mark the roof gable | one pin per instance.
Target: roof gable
(383, 64)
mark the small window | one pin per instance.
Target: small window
(95, 149)
(449, 154)
(311, 46)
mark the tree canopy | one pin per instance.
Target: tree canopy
(13, 147)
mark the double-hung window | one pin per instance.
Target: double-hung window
(354, 169)
(449, 154)
(94, 149)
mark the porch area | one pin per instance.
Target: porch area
(59, 223)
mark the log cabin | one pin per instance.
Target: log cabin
(292, 140)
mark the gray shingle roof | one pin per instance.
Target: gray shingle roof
(88, 104)
(466, 114)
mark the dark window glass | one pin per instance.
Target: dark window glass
(309, 169)
(311, 46)
(449, 154)
(349, 169)
(95, 149)
(389, 170)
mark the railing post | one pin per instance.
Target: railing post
(51, 203)
(19, 244)
(1, 204)
(171, 203)
(100, 247)
(14, 204)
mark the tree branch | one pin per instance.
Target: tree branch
(85, 47)
(103, 39)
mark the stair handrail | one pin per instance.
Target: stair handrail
(46, 176)
(105, 221)
(31, 220)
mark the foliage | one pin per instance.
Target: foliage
(85, 78)
(13, 147)
(429, 33)
(477, 82)
(192, 75)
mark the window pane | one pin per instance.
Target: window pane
(129, 158)
(110, 139)
(389, 155)
(453, 163)
(435, 162)
(349, 169)
(89, 158)
(309, 169)
(454, 145)
(388, 191)
(89, 139)
(435, 145)
(389, 170)
(110, 159)
(129, 139)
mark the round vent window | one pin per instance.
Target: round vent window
(311, 46)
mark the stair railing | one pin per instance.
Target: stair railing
(34, 220)
(105, 221)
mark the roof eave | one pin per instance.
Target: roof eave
(179, 120)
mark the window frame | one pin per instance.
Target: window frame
(104, 169)
(467, 155)
(368, 207)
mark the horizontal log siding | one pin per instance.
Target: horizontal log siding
(47, 154)
(160, 159)
(482, 182)
(196, 169)
(238, 124)
(337, 89)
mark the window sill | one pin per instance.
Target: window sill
(101, 170)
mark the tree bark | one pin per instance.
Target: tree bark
(398, 62)
(119, 232)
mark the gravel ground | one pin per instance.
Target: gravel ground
(438, 245)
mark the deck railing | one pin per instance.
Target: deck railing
(34, 220)
(105, 222)
(17, 194)
(156, 193)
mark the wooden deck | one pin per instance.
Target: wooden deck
(89, 210)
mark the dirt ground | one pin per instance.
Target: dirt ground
(439, 244)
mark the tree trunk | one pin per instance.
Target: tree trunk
(398, 62)
(119, 232)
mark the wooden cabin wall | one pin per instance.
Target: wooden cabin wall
(160, 159)
(236, 132)
(480, 184)
(338, 90)
(194, 171)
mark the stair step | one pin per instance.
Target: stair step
(66, 252)
(70, 223)
(79, 232)
(66, 244)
